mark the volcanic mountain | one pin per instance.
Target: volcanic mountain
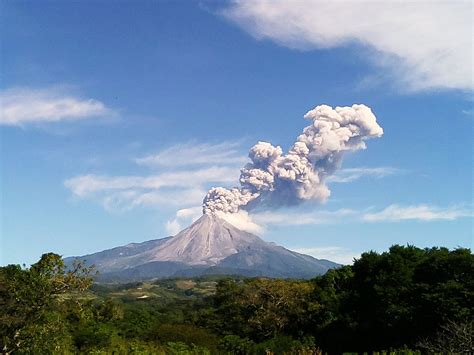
(209, 246)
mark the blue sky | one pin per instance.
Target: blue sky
(117, 115)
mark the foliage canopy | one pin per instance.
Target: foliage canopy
(404, 298)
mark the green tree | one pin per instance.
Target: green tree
(233, 344)
(30, 304)
(263, 308)
(186, 333)
(393, 299)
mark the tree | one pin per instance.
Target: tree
(332, 323)
(393, 299)
(452, 338)
(263, 308)
(30, 301)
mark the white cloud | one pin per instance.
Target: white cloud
(424, 44)
(185, 215)
(126, 200)
(258, 222)
(395, 213)
(178, 188)
(191, 153)
(22, 106)
(468, 112)
(242, 220)
(182, 175)
(333, 253)
(295, 218)
(351, 174)
(85, 185)
(173, 227)
(192, 212)
(392, 213)
(174, 197)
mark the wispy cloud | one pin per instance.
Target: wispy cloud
(351, 174)
(181, 176)
(333, 253)
(392, 213)
(179, 188)
(396, 213)
(437, 54)
(22, 106)
(126, 200)
(468, 112)
(185, 215)
(86, 184)
(298, 218)
(192, 153)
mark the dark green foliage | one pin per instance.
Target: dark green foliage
(186, 333)
(407, 293)
(393, 299)
(180, 348)
(383, 301)
(264, 308)
(406, 298)
(93, 335)
(287, 345)
(236, 345)
(31, 306)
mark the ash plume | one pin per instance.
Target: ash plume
(275, 179)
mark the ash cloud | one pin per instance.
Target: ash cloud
(275, 179)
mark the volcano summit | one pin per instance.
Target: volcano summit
(210, 245)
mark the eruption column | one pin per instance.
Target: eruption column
(274, 179)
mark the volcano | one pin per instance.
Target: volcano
(210, 246)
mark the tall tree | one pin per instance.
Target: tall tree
(30, 302)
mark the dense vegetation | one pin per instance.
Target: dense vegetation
(406, 298)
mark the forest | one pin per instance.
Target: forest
(405, 300)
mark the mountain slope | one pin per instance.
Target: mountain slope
(209, 246)
(206, 242)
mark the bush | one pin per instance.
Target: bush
(187, 334)
(234, 344)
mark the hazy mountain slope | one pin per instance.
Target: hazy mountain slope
(209, 246)
(276, 261)
(119, 258)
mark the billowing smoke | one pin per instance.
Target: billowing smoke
(276, 179)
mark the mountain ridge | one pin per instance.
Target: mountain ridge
(209, 245)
